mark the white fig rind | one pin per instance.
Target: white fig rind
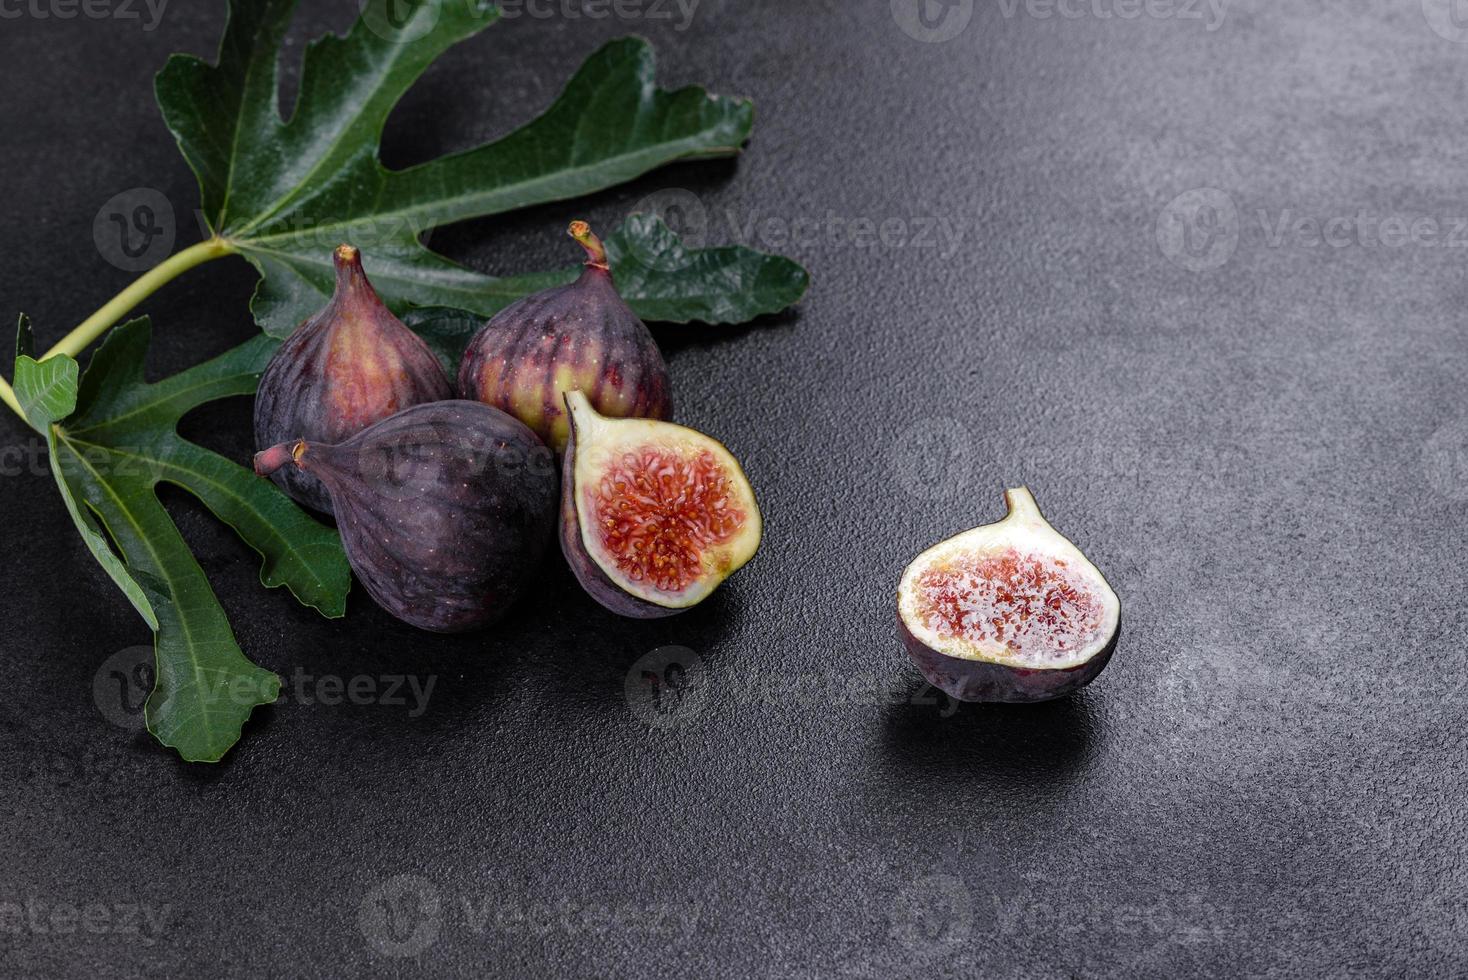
(990, 670)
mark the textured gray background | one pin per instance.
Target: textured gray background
(1259, 436)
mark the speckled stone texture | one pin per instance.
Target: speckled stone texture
(1177, 280)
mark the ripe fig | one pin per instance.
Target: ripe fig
(350, 365)
(582, 336)
(444, 509)
(653, 515)
(1008, 612)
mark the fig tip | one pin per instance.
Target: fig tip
(1020, 501)
(267, 461)
(596, 253)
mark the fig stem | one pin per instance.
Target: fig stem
(146, 285)
(269, 460)
(596, 253)
(7, 395)
(1021, 504)
(120, 305)
(348, 262)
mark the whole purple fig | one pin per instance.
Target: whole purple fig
(350, 365)
(580, 337)
(444, 509)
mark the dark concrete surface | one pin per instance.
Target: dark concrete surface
(1173, 274)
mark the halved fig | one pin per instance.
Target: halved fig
(1008, 612)
(653, 515)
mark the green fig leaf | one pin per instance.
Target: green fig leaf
(46, 389)
(113, 438)
(40, 413)
(25, 338)
(282, 193)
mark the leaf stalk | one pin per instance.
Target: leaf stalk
(146, 285)
(7, 395)
(124, 302)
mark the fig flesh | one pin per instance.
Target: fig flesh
(444, 509)
(350, 365)
(580, 336)
(654, 516)
(1008, 612)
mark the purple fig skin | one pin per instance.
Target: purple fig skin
(977, 680)
(349, 366)
(445, 510)
(596, 582)
(581, 336)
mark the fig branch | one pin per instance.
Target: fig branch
(124, 302)
(146, 285)
(7, 395)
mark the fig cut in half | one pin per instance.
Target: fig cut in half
(1008, 612)
(653, 515)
